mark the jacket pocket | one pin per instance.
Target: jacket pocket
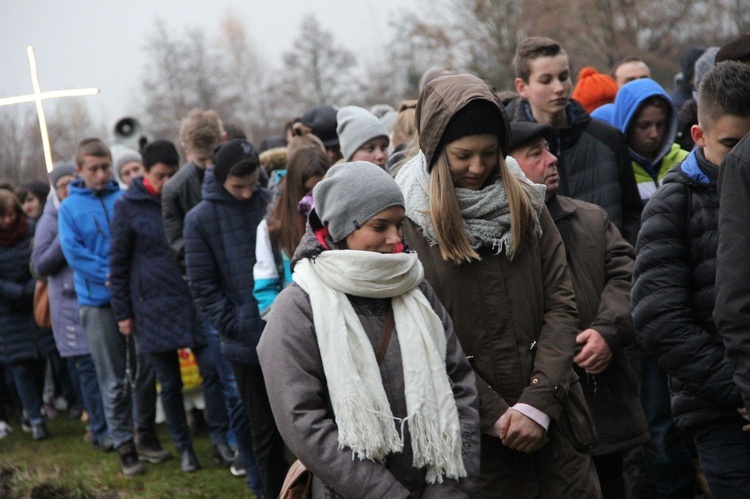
(576, 423)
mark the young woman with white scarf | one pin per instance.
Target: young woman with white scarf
(496, 261)
(406, 426)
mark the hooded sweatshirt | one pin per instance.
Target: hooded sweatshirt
(648, 173)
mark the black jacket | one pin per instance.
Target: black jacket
(593, 164)
(732, 311)
(20, 337)
(145, 281)
(219, 256)
(673, 294)
(180, 195)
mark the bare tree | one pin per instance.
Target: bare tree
(180, 74)
(244, 77)
(316, 71)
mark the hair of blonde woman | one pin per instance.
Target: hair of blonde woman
(404, 128)
(445, 212)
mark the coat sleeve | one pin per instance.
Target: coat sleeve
(613, 320)
(266, 279)
(120, 259)
(47, 257)
(553, 362)
(732, 311)
(205, 278)
(174, 219)
(661, 296)
(85, 262)
(296, 385)
(467, 404)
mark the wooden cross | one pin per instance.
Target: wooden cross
(38, 96)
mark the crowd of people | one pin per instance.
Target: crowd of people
(480, 294)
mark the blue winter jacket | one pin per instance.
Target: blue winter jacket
(145, 280)
(84, 221)
(48, 261)
(219, 255)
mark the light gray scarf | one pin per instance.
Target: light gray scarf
(485, 212)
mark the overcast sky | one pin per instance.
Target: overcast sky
(99, 43)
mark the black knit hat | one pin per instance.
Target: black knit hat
(477, 117)
(322, 121)
(229, 154)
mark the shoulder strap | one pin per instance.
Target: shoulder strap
(385, 336)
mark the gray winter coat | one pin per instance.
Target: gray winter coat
(48, 261)
(298, 393)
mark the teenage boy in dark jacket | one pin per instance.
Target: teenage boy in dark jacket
(592, 156)
(152, 302)
(675, 285)
(219, 256)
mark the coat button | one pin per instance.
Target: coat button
(534, 381)
(556, 389)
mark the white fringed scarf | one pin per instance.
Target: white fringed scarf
(362, 412)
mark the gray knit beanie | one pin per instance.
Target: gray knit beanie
(702, 66)
(356, 126)
(125, 156)
(60, 170)
(351, 194)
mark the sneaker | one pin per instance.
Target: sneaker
(129, 463)
(238, 466)
(105, 445)
(222, 455)
(39, 431)
(5, 429)
(75, 412)
(25, 424)
(150, 449)
(189, 461)
(50, 411)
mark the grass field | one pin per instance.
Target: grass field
(67, 467)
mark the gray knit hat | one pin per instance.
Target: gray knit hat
(351, 194)
(60, 170)
(704, 63)
(356, 126)
(125, 156)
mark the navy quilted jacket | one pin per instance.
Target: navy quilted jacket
(145, 281)
(219, 255)
(20, 337)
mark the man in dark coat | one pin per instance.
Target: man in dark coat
(600, 262)
(219, 256)
(676, 288)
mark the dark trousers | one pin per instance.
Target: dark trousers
(167, 368)
(671, 462)
(611, 480)
(82, 368)
(268, 446)
(29, 377)
(724, 453)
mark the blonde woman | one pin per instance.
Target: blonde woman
(496, 261)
